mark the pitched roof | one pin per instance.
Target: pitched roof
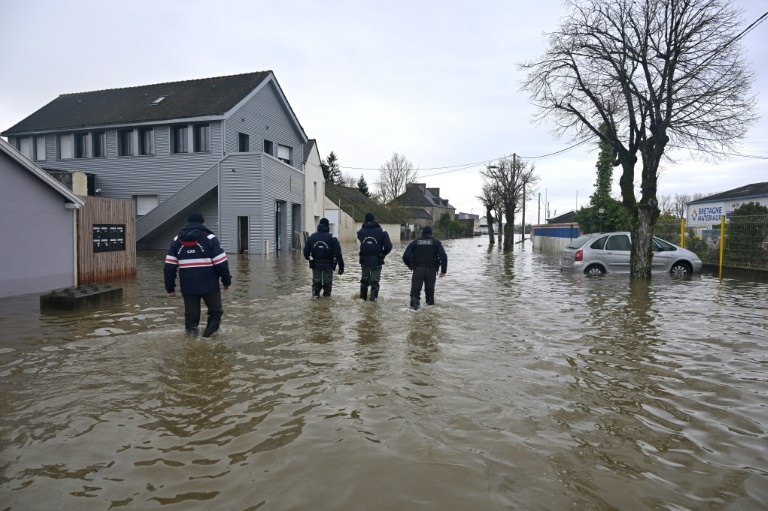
(190, 98)
(36, 171)
(752, 191)
(415, 197)
(564, 218)
(355, 204)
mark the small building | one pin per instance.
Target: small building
(558, 232)
(424, 206)
(705, 213)
(39, 249)
(345, 209)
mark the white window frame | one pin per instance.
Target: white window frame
(201, 138)
(180, 142)
(123, 136)
(146, 141)
(284, 153)
(66, 146)
(40, 148)
(146, 203)
(101, 136)
(26, 146)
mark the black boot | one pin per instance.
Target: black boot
(415, 303)
(374, 294)
(363, 292)
(315, 292)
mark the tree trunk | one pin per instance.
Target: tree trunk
(489, 220)
(509, 228)
(641, 257)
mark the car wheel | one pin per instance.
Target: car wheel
(594, 270)
(681, 269)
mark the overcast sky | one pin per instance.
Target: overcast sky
(435, 81)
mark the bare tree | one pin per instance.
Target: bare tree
(349, 180)
(511, 177)
(678, 204)
(395, 176)
(666, 205)
(658, 73)
(489, 197)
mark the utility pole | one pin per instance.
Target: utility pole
(538, 219)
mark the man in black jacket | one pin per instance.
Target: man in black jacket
(326, 253)
(201, 262)
(424, 256)
(374, 247)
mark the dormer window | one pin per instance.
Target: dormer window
(158, 101)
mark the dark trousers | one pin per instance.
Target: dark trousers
(322, 279)
(425, 277)
(371, 277)
(192, 311)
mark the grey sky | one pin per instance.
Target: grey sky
(435, 81)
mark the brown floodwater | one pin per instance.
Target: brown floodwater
(522, 389)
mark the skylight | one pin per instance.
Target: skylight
(158, 100)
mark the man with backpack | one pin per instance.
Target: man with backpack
(424, 256)
(201, 263)
(326, 254)
(374, 247)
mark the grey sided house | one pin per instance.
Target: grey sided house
(229, 147)
(39, 236)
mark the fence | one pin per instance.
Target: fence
(106, 239)
(740, 243)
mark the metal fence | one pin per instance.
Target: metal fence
(744, 241)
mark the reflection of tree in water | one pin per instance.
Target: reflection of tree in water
(195, 389)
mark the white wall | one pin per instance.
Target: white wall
(313, 208)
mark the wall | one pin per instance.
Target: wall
(553, 238)
(105, 266)
(38, 248)
(313, 173)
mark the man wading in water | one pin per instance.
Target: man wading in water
(424, 256)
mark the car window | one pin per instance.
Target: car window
(618, 242)
(663, 245)
(599, 244)
(579, 242)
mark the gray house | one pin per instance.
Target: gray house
(230, 147)
(39, 244)
(424, 206)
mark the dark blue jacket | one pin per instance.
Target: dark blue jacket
(426, 254)
(324, 249)
(374, 244)
(200, 260)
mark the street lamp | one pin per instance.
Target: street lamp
(601, 215)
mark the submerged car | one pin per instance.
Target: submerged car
(608, 252)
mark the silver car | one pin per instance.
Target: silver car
(603, 252)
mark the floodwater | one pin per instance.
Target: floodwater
(521, 389)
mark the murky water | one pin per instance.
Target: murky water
(522, 388)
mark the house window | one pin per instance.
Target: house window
(180, 139)
(66, 146)
(81, 145)
(25, 147)
(202, 138)
(284, 154)
(243, 143)
(268, 147)
(315, 183)
(146, 141)
(145, 204)
(125, 143)
(39, 148)
(99, 144)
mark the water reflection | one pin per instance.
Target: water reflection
(522, 388)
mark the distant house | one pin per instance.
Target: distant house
(565, 218)
(230, 147)
(704, 213)
(345, 209)
(39, 249)
(423, 205)
(314, 189)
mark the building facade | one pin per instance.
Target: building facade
(230, 147)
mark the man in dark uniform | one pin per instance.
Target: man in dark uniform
(326, 253)
(374, 247)
(201, 262)
(424, 256)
